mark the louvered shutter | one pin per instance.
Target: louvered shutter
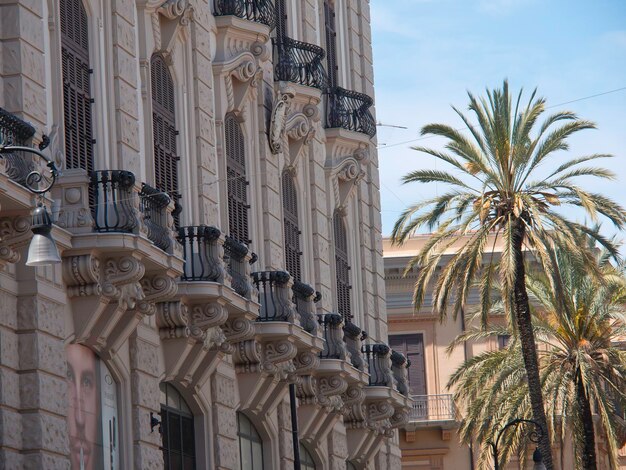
(291, 227)
(412, 346)
(342, 268)
(281, 19)
(237, 184)
(76, 85)
(164, 128)
(331, 42)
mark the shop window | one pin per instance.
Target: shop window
(92, 417)
(177, 428)
(250, 444)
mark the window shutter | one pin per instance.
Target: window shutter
(342, 268)
(291, 227)
(331, 42)
(164, 127)
(76, 85)
(412, 346)
(237, 185)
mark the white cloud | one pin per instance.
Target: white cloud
(502, 7)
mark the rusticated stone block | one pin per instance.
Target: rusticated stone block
(148, 457)
(42, 351)
(128, 130)
(226, 452)
(10, 429)
(8, 348)
(9, 388)
(223, 390)
(43, 431)
(125, 67)
(126, 96)
(141, 427)
(144, 356)
(19, 57)
(11, 459)
(145, 391)
(124, 36)
(225, 421)
(44, 460)
(125, 9)
(41, 314)
(44, 391)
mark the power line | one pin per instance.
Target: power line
(384, 146)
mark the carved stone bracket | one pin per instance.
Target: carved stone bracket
(278, 120)
(354, 411)
(14, 234)
(277, 359)
(241, 76)
(345, 175)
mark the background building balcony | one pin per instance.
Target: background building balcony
(432, 410)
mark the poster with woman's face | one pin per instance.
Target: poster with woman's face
(92, 411)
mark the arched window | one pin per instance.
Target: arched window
(350, 465)
(291, 227)
(76, 85)
(250, 444)
(342, 268)
(306, 459)
(179, 450)
(164, 127)
(236, 180)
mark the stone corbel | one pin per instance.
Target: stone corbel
(14, 234)
(277, 358)
(169, 18)
(241, 75)
(354, 411)
(345, 176)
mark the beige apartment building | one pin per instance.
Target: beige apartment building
(217, 214)
(429, 440)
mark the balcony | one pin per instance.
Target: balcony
(349, 110)
(432, 410)
(299, 62)
(257, 11)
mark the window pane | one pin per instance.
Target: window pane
(244, 424)
(174, 429)
(188, 436)
(257, 456)
(175, 461)
(189, 462)
(246, 454)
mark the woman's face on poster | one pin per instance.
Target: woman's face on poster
(83, 413)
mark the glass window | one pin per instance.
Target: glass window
(306, 459)
(250, 444)
(350, 465)
(177, 428)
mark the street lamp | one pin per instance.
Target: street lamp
(42, 250)
(535, 436)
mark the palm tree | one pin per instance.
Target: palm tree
(580, 364)
(503, 188)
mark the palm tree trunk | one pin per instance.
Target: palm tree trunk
(527, 338)
(589, 444)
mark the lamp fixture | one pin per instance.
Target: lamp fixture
(42, 250)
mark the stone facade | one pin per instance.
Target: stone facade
(228, 341)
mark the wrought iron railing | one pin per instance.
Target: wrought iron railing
(14, 131)
(305, 297)
(354, 337)
(332, 331)
(238, 260)
(399, 369)
(378, 360)
(203, 253)
(153, 205)
(299, 62)
(274, 296)
(258, 11)
(113, 197)
(432, 408)
(349, 110)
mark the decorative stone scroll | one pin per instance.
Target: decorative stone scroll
(14, 234)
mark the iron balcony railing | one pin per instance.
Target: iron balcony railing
(258, 11)
(112, 195)
(14, 131)
(305, 297)
(349, 110)
(429, 408)
(274, 296)
(354, 336)
(399, 369)
(331, 325)
(238, 261)
(379, 362)
(202, 252)
(299, 62)
(153, 205)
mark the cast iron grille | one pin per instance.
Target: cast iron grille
(342, 268)
(291, 229)
(14, 131)
(112, 191)
(237, 185)
(273, 306)
(331, 43)
(200, 253)
(349, 110)
(299, 62)
(153, 205)
(258, 11)
(379, 364)
(331, 324)
(164, 128)
(77, 99)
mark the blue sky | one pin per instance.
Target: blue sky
(427, 53)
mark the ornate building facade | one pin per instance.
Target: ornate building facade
(220, 303)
